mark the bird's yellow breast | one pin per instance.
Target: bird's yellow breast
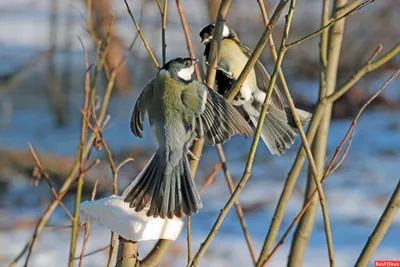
(233, 59)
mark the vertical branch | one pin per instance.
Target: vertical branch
(127, 253)
(311, 132)
(219, 149)
(87, 228)
(189, 242)
(84, 130)
(164, 26)
(296, 168)
(247, 172)
(390, 211)
(380, 229)
(289, 186)
(327, 87)
(68, 181)
(238, 207)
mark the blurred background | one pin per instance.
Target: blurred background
(41, 94)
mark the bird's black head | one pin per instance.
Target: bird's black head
(207, 33)
(181, 69)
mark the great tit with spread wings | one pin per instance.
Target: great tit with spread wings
(179, 109)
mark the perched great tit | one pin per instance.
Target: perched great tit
(279, 129)
(179, 109)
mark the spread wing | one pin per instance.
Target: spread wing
(263, 78)
(140, 110)
(216, 119)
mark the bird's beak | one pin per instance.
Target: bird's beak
(203, 41)
(194, 61)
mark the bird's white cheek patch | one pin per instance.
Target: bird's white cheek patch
(186, 74)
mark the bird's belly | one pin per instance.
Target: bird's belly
(172, 135)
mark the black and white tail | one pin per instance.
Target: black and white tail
(279, 130)
(168, 190)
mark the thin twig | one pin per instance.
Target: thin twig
(368, 67)
(186, 31)
(380, 229)
(159, 7)
(390, 211)
(291, 179)
(111, 253)
(146, 45)
(163, 28)
(219, 147)
(68, 181)
(238, 207)
(48, 180)
(328, 171)
(84, 129)
(314, 175)
(189, 242)
(299, 161)
(210, 179)
(94, 252)
(87, 228)
(41, 225)
(332, 22)
(113, 237)
(253, 149)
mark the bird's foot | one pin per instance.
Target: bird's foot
(192, 155)
(228, 74)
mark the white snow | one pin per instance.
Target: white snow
(114, 213)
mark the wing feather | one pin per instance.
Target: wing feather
(140, 110)
(263, 78)
(219, 119)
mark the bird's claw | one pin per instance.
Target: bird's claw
(228, 74)
(192, 155)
